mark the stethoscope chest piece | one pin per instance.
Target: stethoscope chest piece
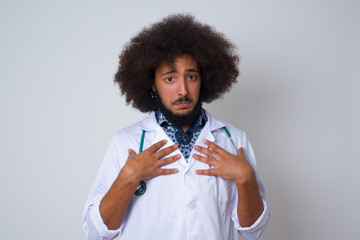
(141, 189)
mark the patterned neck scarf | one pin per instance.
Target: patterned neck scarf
(185, 140)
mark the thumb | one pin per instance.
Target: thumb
(131, 152)
(240, 152)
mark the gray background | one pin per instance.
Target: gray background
(297, 98)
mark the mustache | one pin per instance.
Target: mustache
(182, 99)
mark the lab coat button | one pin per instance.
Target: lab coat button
(192, 206)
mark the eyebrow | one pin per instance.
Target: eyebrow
(169, 72)
(174, 71)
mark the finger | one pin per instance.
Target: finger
(240, 152)
(169, 160)
(168, 171)
(214, 147)
(166, 151)
(156, 146)
(131, 152)
(203, 159)
(210, 172)
(206, 151)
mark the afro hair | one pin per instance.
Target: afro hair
(166, 40)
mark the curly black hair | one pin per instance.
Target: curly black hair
(163, 42)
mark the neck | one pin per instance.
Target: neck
(185, 128)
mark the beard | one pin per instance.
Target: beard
(179, 120)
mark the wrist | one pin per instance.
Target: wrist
(246, 179)
(130, 175)
(126, 182)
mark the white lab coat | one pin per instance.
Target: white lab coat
(179, 206)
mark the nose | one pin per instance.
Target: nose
(182, 88)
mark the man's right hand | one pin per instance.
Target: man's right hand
(144, 165)
(148, 163)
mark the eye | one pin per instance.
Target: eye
(192, 77)
(169, 79)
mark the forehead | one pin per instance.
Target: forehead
(181, 62)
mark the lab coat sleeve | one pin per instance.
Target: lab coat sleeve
(254, 231)
(258, 227)
(92, 221)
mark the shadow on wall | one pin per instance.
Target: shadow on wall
(260, 107)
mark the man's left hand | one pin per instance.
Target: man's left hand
(236, 168)
(225, 164)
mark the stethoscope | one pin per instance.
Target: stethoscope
(141, 188)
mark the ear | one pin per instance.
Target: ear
(153, 87)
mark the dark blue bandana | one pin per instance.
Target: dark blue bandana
(186, 141)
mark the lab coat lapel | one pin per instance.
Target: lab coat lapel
(150, 124)
(211, 125)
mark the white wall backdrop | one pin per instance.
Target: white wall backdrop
(297, 98)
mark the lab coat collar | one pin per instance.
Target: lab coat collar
(149, 123)
(213, 123)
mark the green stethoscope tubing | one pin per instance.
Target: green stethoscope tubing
(142, 141)
(141, 189)
(229, 136)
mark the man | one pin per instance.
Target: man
(180, 173)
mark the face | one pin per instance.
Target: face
(178, 85)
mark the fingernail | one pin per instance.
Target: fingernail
(176, 146)
(206, 141)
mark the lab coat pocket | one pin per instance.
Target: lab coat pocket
(223, 190)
